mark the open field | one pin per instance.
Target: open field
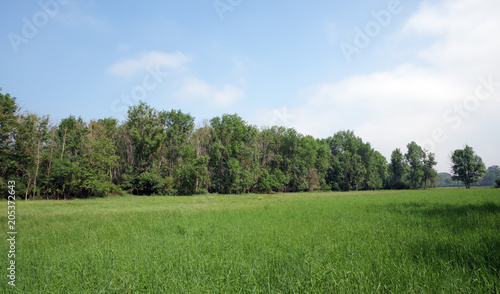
(444, 240)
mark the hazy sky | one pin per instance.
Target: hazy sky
(392, 71)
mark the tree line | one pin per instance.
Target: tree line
(157, 152)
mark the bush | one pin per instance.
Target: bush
(265, 182)
(497, 181)
(400, 186)
(151, 183)
(100, 186)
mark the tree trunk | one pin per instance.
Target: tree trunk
(27, 189)
(51, 152)
(36, 170)
(64, 142)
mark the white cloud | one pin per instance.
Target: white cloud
(466, 35)
(153, 60)
(405, 87)
(196, 89)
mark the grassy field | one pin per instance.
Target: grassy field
(433, 241)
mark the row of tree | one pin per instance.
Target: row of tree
(161, 152)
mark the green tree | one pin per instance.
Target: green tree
(415, 159)
(8, 123)
(233, 154)
(354, 164)
(467, 166)
(178, 127)
(445, 180)
(398, 169)
(357, 171)
(492, 173)
(71, 132)
(294, 162)
(343, 147)
(429, 172)
(146, 134)
(377, 171)
(30, 141)
(64, 179)
(99, 159)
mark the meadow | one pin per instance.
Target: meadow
(426, 241)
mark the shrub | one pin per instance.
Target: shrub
(97, 186)
(497, 181)
(151, 183)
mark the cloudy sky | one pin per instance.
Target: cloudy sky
(392, 71)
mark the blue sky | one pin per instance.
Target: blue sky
(392, 71)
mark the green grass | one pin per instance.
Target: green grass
(433, 241)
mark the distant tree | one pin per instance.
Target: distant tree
(415, 157)
(429, 172)
(434, 182)
(146, 134)
(398, 169)
(380, 171)
(177, 128)
(492, 173)
(323, 159)
(445, 180)
(354, 164)
(71, 132)
(467, 166)
(293, 148)
(99, 159)
(358, 171)
(8, 124)
(232, 155)
(30, 138)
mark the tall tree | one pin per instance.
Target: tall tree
(415, 157)
(178, 127)
(8, 123)
(467, 166)
(343, 146)
(71, 132)
(377, 171)
(354, 164)
(233, 154)
(146, 133)
(429, 172)
(99, 158)
(30, 138)
(398, 170)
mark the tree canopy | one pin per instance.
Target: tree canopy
(467, 166)
(157, 152)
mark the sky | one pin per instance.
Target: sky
(392, 71)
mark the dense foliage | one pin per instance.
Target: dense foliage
(162, 153)
(467, 166)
